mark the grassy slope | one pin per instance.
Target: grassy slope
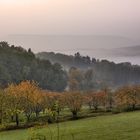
(125, 126)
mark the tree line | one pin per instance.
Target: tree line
(106, 73)
(27, 98)
(73, 73)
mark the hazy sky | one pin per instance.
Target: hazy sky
(111, 17)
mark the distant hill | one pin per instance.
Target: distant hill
(130, 51)
(69, 44)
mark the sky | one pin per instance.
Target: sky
(113, 17)
(101, 19)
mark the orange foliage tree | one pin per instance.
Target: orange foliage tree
(13, 102)
(25, 97)
(31, 98)
(128, 96)
(74, 101)
(2, 105)
(97, 99)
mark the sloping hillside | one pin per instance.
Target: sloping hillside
(18, 64)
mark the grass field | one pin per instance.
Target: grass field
(124, 126)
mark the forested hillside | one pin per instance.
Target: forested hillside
(82, 72)
(18, 64)
(105, 73)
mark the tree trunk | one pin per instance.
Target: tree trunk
(110, 104)
(12, 118)
(1, 116)
(96, 108)
(133, 106)
(74, 114)
(28, 117)
(90, 106)
(17, 119)
(58, 112)
(37, 114)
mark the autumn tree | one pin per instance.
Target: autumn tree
(109, 97)
(74, 101)
(75, 79)
(98, 99)
(31, 98)
(88, 99)
(53, 104)
(59, 102)
(2, 105)
(25, 97)
(37, 103)
(13, 103)
(128, 96)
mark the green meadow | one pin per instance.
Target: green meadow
(124, 126)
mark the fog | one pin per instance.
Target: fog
(92, 27)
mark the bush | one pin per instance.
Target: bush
(116, 111)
